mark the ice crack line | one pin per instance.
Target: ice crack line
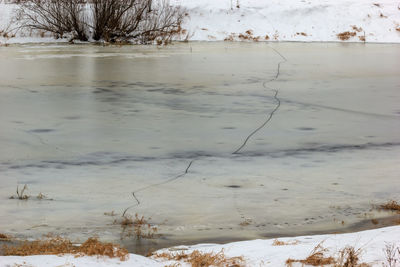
(271, 114)
(157, 184)
(278, 101)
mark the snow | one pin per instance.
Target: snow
(256, 252)
(281, 20)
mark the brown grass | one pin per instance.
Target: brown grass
(246, 222)
(59, 245)
(137, 226)
(301, 33)
(357, 29)
(346, 35)
(4, 237)
(374, 221)
(376, 4)
(362, 38)
(382, 16)
(398, 29)
(391, 205)
(200, 259)
(392, 255)
(316, 258)
(266, 37)
(349, 257)
(282, 243)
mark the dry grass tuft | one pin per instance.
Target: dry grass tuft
(21, 194)
(301, 33)
(283, 243)
(346, 35)
(357, 29)
(4, 237)
(392, 255)
(398, 29)
(316, 258)
(59, 245)
(349, 257)
(391, 205)
(139, 227)
(382, 16)
(245, 222)
(200, 259)
(362, 38)
(374, 221)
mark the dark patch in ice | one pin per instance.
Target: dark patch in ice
(228, 128)
(233, 186)
(306, 128)
(41, 130)
(319, 149)
(172, 91)
(102, 90)
(72, 117)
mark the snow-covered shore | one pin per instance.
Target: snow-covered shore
(280, 20)
(255, 253)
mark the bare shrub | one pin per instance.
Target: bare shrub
(140, 21)
(160, 25)
(59, 17)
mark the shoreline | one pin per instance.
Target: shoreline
(370, 245)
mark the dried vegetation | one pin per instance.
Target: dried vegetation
(346, 35)
(348, 257)
(115, 21)
(283, 243)
(4, 237)
(391, 205)
(139, 227)
(59, 245)
(392, 255)
(316, 258)
(201, 259)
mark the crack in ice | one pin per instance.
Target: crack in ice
(271, 114)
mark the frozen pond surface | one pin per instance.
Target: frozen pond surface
(89, 125)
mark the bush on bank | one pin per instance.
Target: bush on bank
(138, 21)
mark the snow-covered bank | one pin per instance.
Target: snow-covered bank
(255, 253)
(294, 20)
(272, 20)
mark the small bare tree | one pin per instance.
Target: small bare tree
(138, 20)
(56, 16)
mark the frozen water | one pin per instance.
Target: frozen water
(89, 125)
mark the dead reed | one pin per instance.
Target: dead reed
(201, 259)
(59, 245)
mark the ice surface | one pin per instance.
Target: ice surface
(88, 125)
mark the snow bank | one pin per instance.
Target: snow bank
(294, 20)
(255, 252)
(280, 20)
